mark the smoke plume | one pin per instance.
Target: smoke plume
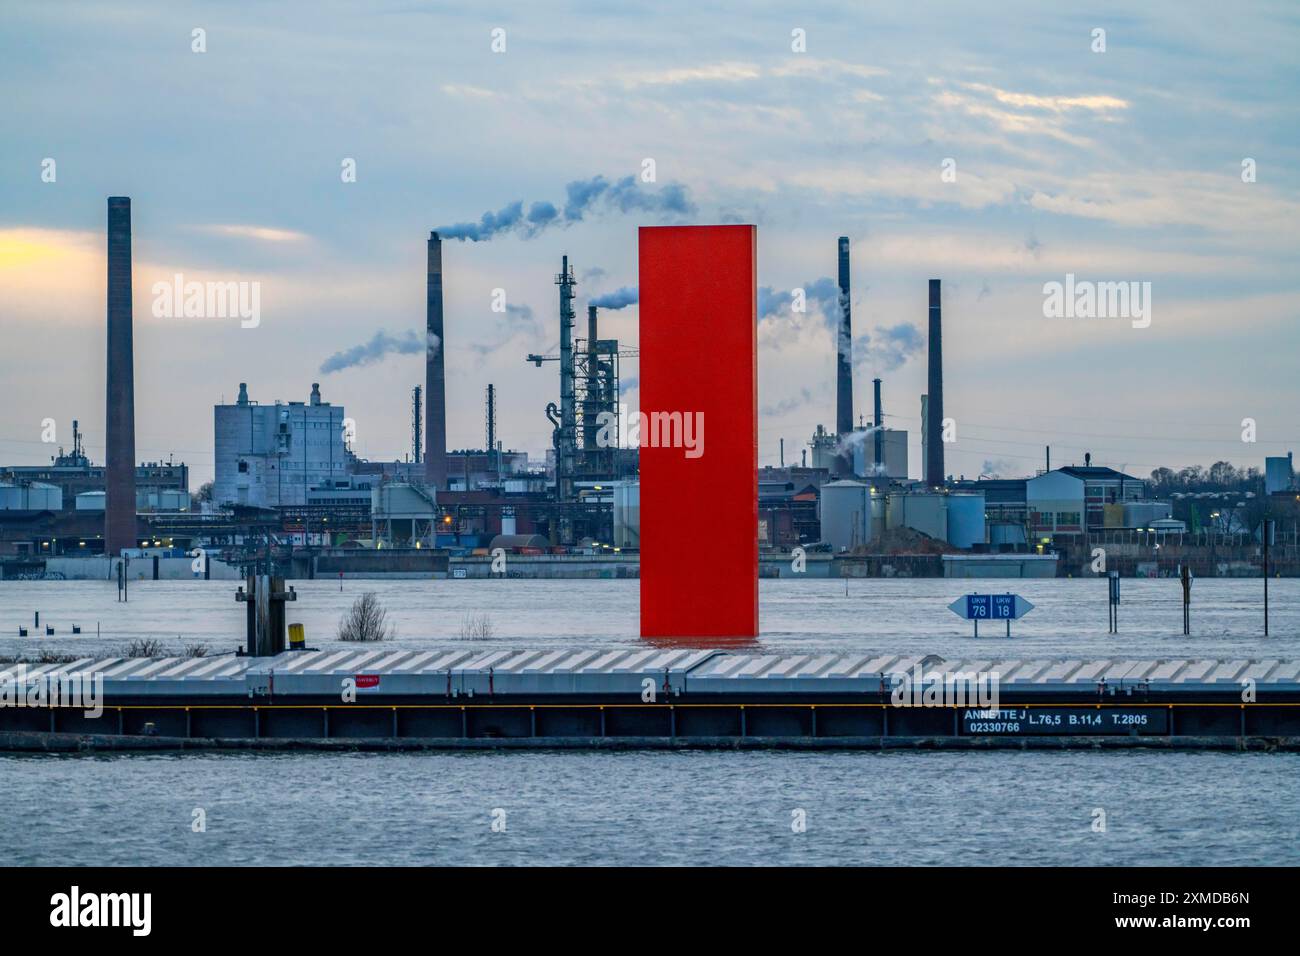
(583, 197)
(381, 345)
(787, 405)
(884, 350)
(888, 348)
(619, 299)
(997, 467)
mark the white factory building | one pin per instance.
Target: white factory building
(272, 455)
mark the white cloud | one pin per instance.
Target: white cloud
(728, 72)
(260, 233)
(1056, 104)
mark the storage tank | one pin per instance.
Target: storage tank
(1007, 534)
(90, 501)
(12, 497)
(43, 497)
(966, 520)
(845, 512)
(30, 496)
(627, 515)
(926, 513)
(878, 515)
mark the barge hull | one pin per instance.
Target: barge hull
(112, 743)
(672, 698)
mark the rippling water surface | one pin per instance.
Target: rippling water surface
(654, 808)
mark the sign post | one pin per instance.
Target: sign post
(1267, 534)
(991, 607)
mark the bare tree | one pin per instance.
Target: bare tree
(365, 621)
(476, 627)
(144, 647)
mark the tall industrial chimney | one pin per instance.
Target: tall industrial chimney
(417, 424)
(591, 405)
(435, 377)
(934, 473)
(844, 366)
(878, 459)
(925, 440)
(119, 433)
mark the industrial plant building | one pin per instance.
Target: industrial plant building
(272, 455)
(74, 475)
(1279, 475)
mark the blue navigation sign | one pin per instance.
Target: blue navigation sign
(991, 607)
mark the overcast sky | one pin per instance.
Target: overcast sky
(1122, 165)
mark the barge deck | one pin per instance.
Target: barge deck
(630, 698)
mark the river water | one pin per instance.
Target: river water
(660, 807)
(653, 808)
(1069, 617)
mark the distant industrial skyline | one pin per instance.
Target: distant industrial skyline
(941, 143)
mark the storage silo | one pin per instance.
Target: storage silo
(966, 520)
(30, 496)
(924, 512)
(845, 512)
(1007, 536)
(90, 501)
(12, 497)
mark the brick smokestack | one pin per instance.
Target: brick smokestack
(119, 431)
(934, 473)
(435, 377)
(844, 366)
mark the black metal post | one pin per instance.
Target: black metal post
(1268, 533)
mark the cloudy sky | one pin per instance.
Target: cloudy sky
(1122, 165)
